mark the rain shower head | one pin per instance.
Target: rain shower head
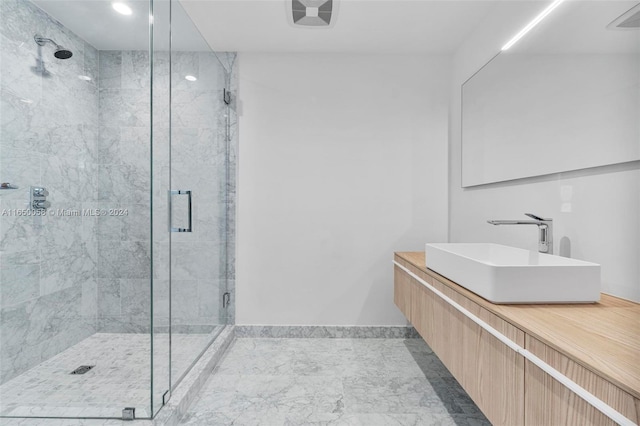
(60, 53)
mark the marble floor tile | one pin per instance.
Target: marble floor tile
(121, 376)
(280, 381)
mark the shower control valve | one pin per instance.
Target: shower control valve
(38, 197)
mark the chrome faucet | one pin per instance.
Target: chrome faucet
(545, 227)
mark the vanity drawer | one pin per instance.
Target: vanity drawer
(489, 371)
(548, 402)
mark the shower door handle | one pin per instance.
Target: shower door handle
(189, 210)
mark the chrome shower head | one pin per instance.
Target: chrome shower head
(60, 53)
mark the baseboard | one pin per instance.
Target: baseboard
(326, 332)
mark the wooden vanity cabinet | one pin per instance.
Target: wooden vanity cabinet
(490, 372)
(507, 387)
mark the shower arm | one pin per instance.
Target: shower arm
(41, 41)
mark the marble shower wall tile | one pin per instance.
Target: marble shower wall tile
(109, 299)
(135, 71)
(48, 137)
(197, 260)
(124, 259)
(118, 184)
(124, 182)
(184, 300)
(40, 328)
(69, 179)
(136, 294)
(124, 107)
(199, 154)
(20, 278)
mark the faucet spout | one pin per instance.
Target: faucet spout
(513, 222)
(545, 228)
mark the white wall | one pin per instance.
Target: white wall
(604, 223)
(342, 161)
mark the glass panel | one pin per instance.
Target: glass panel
(161, 287)
(75, 277)
(199, 160)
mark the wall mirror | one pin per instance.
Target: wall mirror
(565, 97)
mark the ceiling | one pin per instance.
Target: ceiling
(358, 26)
(96, 22)
(361, 26)
(580, 27)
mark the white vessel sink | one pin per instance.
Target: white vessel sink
(503, 274)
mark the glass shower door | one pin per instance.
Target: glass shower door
(198, 190)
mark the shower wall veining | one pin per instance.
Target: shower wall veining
(64, 278)
(49, 129)
(123, 270)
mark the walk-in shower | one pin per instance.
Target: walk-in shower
(103, 310)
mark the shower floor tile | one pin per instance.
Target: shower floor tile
(120, 378)
(299, 382)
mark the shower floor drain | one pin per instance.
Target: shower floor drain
(82, 369)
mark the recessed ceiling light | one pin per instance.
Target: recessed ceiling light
(190, 78)
(121, 8)
(532, 24)
(26, 101)
(84, 77)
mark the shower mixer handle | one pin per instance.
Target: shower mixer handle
(40, 204)
(39, 192)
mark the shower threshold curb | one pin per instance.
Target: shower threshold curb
(190, 386)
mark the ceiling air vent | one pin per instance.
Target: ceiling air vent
(312, 13)
(630, 20)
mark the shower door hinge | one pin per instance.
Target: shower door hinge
(165, 397)
(226, 96)
(226, 299)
